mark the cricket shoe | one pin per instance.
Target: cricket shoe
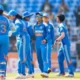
(18, 76)
(44, 75)
(69, 75)
(23, 77)
(49, 70)
(30, 76)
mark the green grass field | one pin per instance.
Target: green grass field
(52, 76)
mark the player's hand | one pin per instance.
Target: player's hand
(57, 40)
(44, 41)
(54, 45)
(32, 62)
(10, 33)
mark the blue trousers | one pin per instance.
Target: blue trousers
(21, 56)
(25, 56)
(31, 51)
(44, 57)
(4, 45)
(29, 57)
(64, 53)
(49, 46)
(20, 64)
(39, 55)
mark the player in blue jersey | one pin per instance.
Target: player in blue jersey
(49, 38)
(41, 44)
(21, 32)
(64, 51)
(26, 16)
(39, 32)
(4, 43)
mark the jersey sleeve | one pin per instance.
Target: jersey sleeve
(61, 29)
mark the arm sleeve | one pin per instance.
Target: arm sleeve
(61, 29)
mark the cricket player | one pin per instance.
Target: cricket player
(49, 38)
(17, 37)
(64, 51)
(4, 43)
(26, 16)
(39, 31)
(21, 32)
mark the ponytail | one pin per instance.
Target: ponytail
(18, 16)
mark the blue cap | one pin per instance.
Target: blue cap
(12, 13)
(45, 15)
(27, 14)
(39, 13)
(1, 7)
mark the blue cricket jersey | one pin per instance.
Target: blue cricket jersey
(49, 32)
(4, 25)
(40, 32)
(20, 28)
(62, 28)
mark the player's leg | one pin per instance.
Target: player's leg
(22, 64)
(19, 68)
(39, 57)
(4, 56)
(45, 60)
(68, 59)
(29, 60)
(29, 63)
(49, 46)
(61, 61)
(19, 63)
(3, 64)
(22, 57)
(31, 52)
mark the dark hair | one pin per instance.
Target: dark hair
(18, 16)
(1, 12)
(26, 17)
(61, 17)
